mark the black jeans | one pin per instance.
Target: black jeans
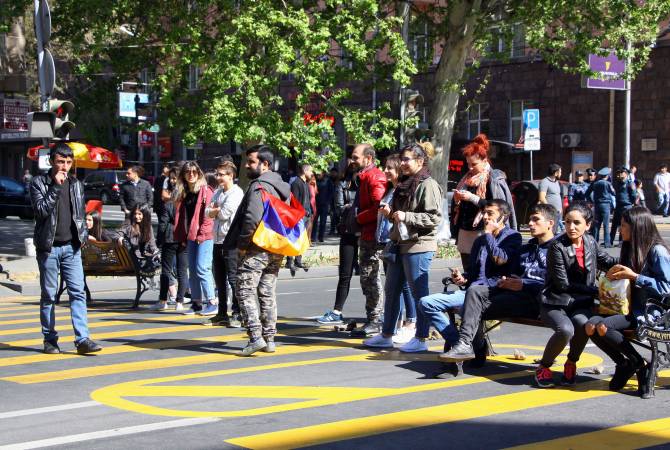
(482, 302)
(224, 266)
(319, 227)
(173, 256)
(568, 325)
(614, 344)
(348, 258)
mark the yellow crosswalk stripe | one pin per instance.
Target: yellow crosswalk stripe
(110, 323)
(64, 316)
(136, 347)
(5, 309)
(422, 417)
(645, 434)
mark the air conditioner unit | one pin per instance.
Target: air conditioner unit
(570, 140)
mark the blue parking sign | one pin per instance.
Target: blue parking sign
(531, 118)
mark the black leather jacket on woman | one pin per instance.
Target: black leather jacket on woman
(566, 282)
(44, 194)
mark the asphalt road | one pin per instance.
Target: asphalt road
(165, 381)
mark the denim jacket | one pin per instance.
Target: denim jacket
(384, 225)
(653, 280)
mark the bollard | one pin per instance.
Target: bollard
(30, 247)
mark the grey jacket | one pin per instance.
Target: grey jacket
(422, 218)
(250, 212)
(44, 194)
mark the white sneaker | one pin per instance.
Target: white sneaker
(414, 345)
(378, 341)
(404, 335)
(159, 306)
(179, 307)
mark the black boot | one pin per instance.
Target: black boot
(622, 373)
(644, 389)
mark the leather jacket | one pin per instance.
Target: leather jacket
(44, 193)
(566, 281)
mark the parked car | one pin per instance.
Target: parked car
(14, 199)
(525, 195)
(104, 185)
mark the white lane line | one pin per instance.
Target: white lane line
(288, 293)
(47, 409)
(114, 432)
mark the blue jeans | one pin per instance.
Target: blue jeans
(601, 216)
(413, 269)
(434, 306)
(200, 270)
(663, 202)
(65, 260)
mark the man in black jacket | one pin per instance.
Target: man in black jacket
(135, 191)
(60, 231)
(257, 269)
(300, 190)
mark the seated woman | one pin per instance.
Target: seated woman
(572, 262)
(645, 261)
(138, 234)
(96, 233)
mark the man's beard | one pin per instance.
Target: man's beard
(253, 173)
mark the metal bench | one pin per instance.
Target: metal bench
(111, 259)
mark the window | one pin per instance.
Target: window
(194, 74)
(345, 59)
(146, 80)
(420, 43)
(516, 108)
(478, 119)
(500, 43)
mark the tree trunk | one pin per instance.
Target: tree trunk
(457, 47)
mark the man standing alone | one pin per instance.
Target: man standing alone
(135, 191)
(60, 231)
(550, 193)
(662, 185)
(257, 269)
(372, 188)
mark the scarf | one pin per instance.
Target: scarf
(478, 180)
(406, 187)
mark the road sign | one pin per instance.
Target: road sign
(46, 72)
(127, 103)
(609, 72)
(43, 22)
(531, 126)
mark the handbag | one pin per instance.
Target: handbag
(614, 296)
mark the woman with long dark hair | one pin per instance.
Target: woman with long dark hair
(96, 232)
(193, 229)
(138, 235)
(570, 289)
(645, 261)
(416, 212)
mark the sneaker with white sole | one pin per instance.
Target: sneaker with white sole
(404, 335)
(159, 306)
(378, 341)
(331, 318)
(179, 307)
(414, 345)
(209, 310)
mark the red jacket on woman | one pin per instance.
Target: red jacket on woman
(201, 225)
(372, 186)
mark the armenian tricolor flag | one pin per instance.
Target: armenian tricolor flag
(281, 230)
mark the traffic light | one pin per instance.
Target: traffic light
(62, 126)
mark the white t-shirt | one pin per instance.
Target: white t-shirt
(662, 180)
(228, 201)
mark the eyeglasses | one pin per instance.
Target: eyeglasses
(190, 172)
(406, 159)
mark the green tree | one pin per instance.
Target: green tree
(562, 32)
(250, 56)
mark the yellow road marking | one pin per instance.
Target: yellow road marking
(175, 318)
(19, 308)
(310, 396)
(118, 349)
(63, 317)
(422, 417)
(632, 436)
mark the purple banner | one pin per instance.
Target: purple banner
(608, 70)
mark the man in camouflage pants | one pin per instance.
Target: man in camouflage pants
(257, 269)
(372, 186)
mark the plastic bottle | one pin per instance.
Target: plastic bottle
(402, 229)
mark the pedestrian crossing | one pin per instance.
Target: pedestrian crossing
(167, 373)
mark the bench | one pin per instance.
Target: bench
(111, 259)
(653, 335)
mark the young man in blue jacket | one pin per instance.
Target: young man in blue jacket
(494, 256)
(514, 296)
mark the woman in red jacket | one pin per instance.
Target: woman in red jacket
(193, 229)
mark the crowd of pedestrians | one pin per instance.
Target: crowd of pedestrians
(387, 223)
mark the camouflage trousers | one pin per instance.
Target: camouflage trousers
(370, 263)
(256, 282)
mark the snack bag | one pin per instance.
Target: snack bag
(614, 296)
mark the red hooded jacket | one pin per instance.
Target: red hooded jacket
(201, 225)
(372, 186)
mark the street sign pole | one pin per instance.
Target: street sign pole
(531, 133)
(46, 69)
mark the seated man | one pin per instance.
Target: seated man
(494, 255)
(516, 296)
